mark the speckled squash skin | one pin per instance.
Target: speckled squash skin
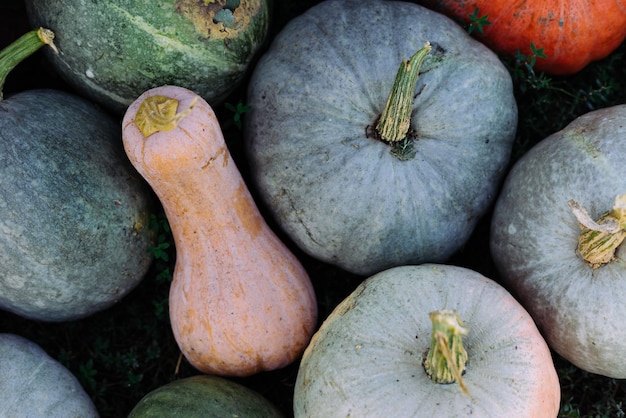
(114, 50)
(338, 192)
(33, 384)
(204, 396)
(366, 358)
(74, 214)
(240, 301)
(534, 237)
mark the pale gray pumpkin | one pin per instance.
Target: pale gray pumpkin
(338, 192)
(33, 384)
(366, 358)
(534, 239)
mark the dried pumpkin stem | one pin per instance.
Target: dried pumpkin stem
(446, 358)
(598, 240)
(160, 113)
(395, 120)
(21, 49)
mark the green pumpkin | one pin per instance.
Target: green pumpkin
(33, 384)
(74, 214)
(573, 289)
(204, 396)
(339, 192)
(114, 50)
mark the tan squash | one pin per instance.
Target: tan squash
(240, 301)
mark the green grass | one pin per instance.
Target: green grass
(121, 354)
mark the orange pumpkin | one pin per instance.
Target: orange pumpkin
(240, 301)
(571, 33)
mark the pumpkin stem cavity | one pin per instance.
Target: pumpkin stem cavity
(446, 358)
(21, 49)
(220, 19)
(394, 123)
(598, 240)
(160, 113)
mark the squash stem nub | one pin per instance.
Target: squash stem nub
(395, 120)
(446, 358)
(160, 113)
(21, 49)
(598, 241)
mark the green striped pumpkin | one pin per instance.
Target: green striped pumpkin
(114, 50)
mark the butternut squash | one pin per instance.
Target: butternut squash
(240, 301)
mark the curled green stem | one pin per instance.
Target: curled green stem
(21, 49)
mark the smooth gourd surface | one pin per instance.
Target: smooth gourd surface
(338, 192)
(74, 214)
(570, 33)
(240, 301)
(204, 396)
(366, 359)
(33, 384)
(113, 51)
(534, 238)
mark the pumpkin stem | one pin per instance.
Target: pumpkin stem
(21, 49)
(446, 358)
(395, 120)
(160, 113)
(598, 241)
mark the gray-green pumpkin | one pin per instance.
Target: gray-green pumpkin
(574, 291)
(204, 396)
(114, 50)
(379, 353)
(74, 214)
(338, 191)
(33, 384)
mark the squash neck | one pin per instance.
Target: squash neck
(599, 240)
(394, 124)
(22, 48)
(446, 358)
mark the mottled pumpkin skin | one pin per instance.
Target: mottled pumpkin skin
(338, 192)
(33, 384)
(534, 237)
(114, 50)
(204, 396)
(74, 214)
(571, 33)
(366, 358)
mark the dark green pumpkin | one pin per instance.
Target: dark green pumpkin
(204, 396)
(115, 50)
(73, 213)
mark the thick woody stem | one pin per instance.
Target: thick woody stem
(395, 120)
(446, 358)
(598, 240)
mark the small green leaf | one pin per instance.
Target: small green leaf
(477, 22)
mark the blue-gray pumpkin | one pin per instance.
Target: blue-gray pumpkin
(33, 384)
(573, 288)
(341, 194)
(74, 214)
